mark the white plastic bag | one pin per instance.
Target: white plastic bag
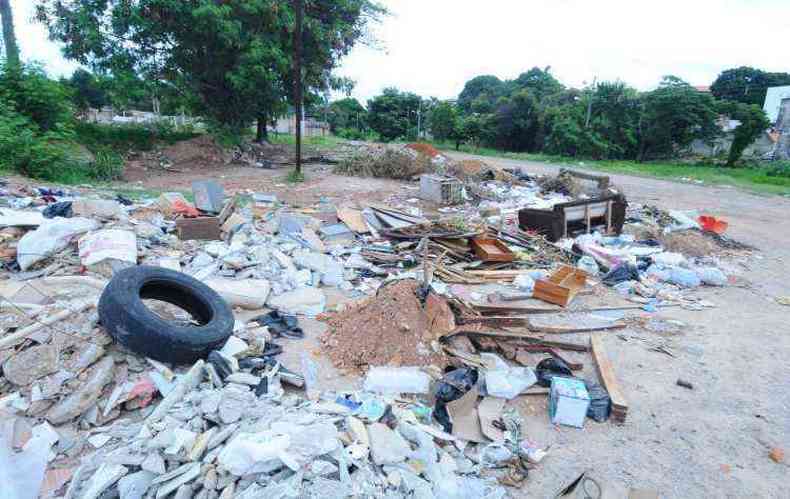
(393, 380)
(109, 244)
(50, 237)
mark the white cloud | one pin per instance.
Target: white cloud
(432, 47)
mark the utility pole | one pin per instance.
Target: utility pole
(299, 11)
(589, 104)
(419, 119)
(9, 37)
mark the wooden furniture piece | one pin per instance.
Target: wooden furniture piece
(491, 250)
(561, 286)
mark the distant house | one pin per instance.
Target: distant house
(777, 108)
(702, 88)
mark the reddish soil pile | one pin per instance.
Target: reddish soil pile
(426, 149)
(390, 328)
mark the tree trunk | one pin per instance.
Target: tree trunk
(9, 37)
(262, 134)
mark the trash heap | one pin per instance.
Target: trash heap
(452, 308)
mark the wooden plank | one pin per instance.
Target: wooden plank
(203, 228)
(608, 378)
(353, 219)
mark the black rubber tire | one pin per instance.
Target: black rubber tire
(126, 318)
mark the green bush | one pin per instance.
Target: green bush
(779, 169)
(27, 90)
(123, 138)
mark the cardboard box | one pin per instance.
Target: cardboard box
(568, 401)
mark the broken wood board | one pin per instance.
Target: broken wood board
(608, 378)
(561, 287)
(526, 337)
(353, 219)
(492, 250)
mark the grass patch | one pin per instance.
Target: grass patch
(761, 178)
(294, 177)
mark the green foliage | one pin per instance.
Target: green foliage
(347, 114)
(753, 120)
(672, 117)
(294, 177)
(107, 165)
(779, 169)
(480, 94)
(87, 90)
(443, 120)
(393, 114)
(128, 137)
(232, 58)
(747, 85)
(29, 92)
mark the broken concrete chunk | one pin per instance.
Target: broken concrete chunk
(249, 294)
(179, 477)
(196, 453)
(105, 476)
(184, 492)
(302, 301)
(234, 346)
(134, 486)
(181, 439)
(243, 379)
(85, 357)
(387, 447)
(234, 403)
(85, 396)
(29, 365)
(154, 463)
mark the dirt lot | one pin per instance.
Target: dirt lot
(712, 441)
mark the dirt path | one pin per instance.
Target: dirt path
(713, 441)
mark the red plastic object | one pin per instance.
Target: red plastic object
(713, 224)
(185, 209)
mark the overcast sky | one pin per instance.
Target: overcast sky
(432, 47)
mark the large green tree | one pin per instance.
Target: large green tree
(88, 91)
(753, 123)
(747, 85)
(481, 93)
(672, 117)
(394, 114)
(347, 114)
(235, 56)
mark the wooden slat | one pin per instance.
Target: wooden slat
(608, 378)
(353, 219)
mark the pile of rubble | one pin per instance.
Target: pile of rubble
(390, 161)
(452, 306)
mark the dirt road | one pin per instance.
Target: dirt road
(712, 441)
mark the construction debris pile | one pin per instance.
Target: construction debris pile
(104, 300)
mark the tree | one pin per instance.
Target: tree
(517, 121)
(754, 122)
(673, 116)
(393, 114)
(9, 35)
(540, 82)
(747, 85)
(235, 56)
(443, 120)
(481, 93)
(87, 90)
(347, 114)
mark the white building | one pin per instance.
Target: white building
(773, 101)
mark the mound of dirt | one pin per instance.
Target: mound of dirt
(201, 151)
(426, 149)
(473, 169)
(389, 329)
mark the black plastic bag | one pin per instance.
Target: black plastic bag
(548, 368)
(62, 209)
(454, 385)
(621, 273)
(600, 403)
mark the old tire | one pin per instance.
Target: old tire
(126, 318)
